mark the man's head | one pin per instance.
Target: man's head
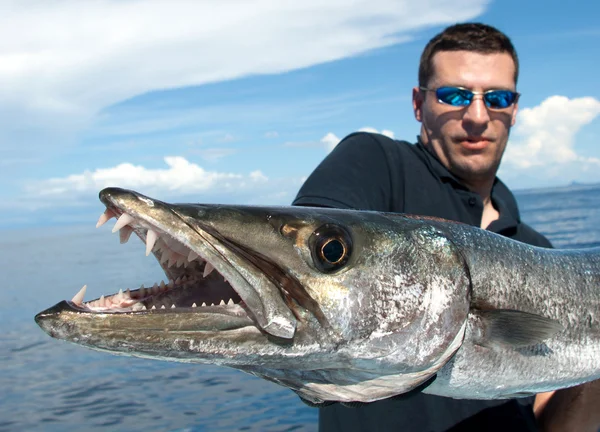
(469, 139)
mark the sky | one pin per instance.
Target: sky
(237, 101)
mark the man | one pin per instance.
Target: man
(466, 103)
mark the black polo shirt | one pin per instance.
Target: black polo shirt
(373, 172)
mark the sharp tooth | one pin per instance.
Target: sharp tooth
(208, 268)
(171, 283)
(138, 307)
(194, 305)
(142, 291)
(173, 306)
(164, 257)
(105, 217)
(155, 289)
(144, 307)
(162, 285)
(203, 304)
(163, 307)
(180, 261)
(178, 281)
(183, 278)
(171, 262)
(151, 237)
(222, 303)
(101, 301)
(230, 302)
(192, 256)
(78, 298)
(124, 219)
(128, 292)
(124, 234)
(153, 307)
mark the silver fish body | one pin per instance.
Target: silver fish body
(347, 306)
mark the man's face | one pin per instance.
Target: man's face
(469, 140)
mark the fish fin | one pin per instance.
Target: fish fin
(314, 404)
(514, 328)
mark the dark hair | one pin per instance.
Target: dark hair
(476, 37)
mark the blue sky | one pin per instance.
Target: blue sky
(238, 101)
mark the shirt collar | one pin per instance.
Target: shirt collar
(501, 196)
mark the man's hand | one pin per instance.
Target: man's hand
(572, 409)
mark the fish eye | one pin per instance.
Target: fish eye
(331, 246)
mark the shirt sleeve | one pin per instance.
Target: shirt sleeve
(355, 175)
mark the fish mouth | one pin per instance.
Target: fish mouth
(206, 272)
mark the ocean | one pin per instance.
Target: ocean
(49, 385)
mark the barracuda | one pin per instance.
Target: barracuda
(347, 306)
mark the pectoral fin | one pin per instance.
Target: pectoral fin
(512, 327)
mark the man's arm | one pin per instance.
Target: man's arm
(572, 409)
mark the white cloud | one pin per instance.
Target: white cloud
(545, 135)
(181, 177)
(387, 133)
(330, 141)
(214, 154)
(72, 57)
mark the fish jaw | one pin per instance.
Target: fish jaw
(267, 307)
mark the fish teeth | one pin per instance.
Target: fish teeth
(78, 298)
(172, 306)
(208, 269)
(123, 220)
(153, 307)
(151, 237)
(163, 307)
(138, 307)
(194, 305)
(203, 304)
(222, 303)
(162, 285)
(104, 217)
(124, 234)
(192, 256)
(230, 302)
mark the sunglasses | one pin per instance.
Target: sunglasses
(461, 97)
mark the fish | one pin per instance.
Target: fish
(345, 305)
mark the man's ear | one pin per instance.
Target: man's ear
(418, 98)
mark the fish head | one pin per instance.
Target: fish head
(335, 304)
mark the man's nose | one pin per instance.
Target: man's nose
(477, 112)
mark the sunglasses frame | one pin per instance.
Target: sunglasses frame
(474, 93)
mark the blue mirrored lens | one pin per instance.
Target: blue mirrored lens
(454, 96)
(499, 98)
